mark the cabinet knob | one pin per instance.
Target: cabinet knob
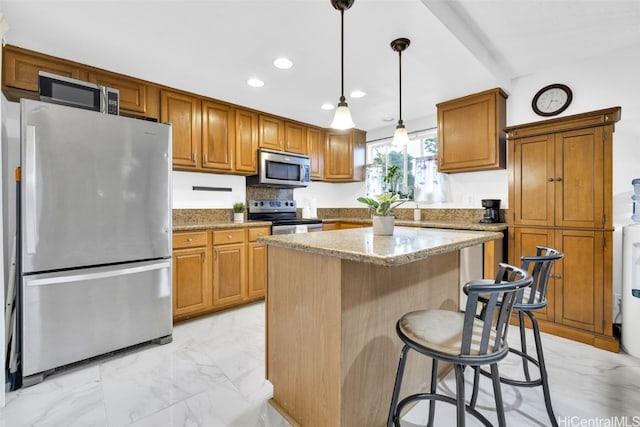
(229, 236)
(189, 239)
(559, 179)
(550, 179)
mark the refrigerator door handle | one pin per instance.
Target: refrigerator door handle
(98, 275)
(31, 226)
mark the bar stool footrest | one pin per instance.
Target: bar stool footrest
(439, 397)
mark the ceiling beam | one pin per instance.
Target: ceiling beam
(452, 16)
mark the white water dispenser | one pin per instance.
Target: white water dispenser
(631, 289)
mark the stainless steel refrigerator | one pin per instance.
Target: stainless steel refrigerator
(95, 235)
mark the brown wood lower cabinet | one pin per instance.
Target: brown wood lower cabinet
(191, 272)
(257, 263)
(579, 294)
(215, 270)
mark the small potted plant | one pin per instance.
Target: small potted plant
(238, 212)
(382, 206)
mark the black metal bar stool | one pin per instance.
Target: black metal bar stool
(463, 339)
(527, 301)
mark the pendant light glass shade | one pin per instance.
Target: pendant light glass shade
(342, 119)
(400, 136)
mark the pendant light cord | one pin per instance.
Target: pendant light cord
(342, 99)
(400, 82)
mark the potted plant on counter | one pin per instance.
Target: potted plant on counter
(382, 206)
(238, 212)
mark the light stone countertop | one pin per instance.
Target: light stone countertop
(407, 244)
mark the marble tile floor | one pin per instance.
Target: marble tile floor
(212, 375)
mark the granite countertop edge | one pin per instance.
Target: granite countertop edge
(221, 225)
(388, 260)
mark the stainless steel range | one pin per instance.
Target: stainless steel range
(282, 214)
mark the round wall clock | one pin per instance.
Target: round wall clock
(552, 100)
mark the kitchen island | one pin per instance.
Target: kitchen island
(333, 299)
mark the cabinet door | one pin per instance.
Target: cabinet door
(229, 274)
(470, 132)
(218, 129)
(338, 156)
(579, 278)
(271, 133)
(183, 112)
(533, 172)
(20, 69)
(523, 241)
(257, 270)
(579, 178)
(315, 148)
(191, 287)
(295, 140)
(246, 141)
(133, 93)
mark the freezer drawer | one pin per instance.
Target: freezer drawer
(74, 315)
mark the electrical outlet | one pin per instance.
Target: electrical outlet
(618, 299)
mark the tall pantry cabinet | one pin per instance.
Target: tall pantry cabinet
(560, 195)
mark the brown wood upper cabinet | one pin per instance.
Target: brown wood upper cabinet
(183, 112)
(561, 174)
(315, 149)
(271, 132)
(246, 144)
(344, 155)
(295, 138)
(471, 133)
(20, 79)
(20, 71)
(136, 97)
(218, 136)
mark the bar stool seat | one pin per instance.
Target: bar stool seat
(462, 339)
(530, 299)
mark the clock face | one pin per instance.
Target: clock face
(551, 100)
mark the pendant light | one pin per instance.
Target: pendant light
(400, 136)
(342, 118)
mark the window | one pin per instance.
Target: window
(410, 171)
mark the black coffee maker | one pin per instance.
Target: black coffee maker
(491, 211)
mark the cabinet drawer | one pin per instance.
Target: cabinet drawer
(189, 240)
(223, 237)
(254, 233)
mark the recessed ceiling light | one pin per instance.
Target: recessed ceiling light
(388, 119)
(327, 106)
(255, 82)
(357, 94)
(283, 63)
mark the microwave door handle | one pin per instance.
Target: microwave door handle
(301, 173)
(31, 227)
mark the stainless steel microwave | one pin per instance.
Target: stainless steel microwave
(77, 93)
(281, 170)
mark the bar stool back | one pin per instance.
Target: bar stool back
(462, 339)
(529, 300)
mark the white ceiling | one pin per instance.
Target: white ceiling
(211, 47)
